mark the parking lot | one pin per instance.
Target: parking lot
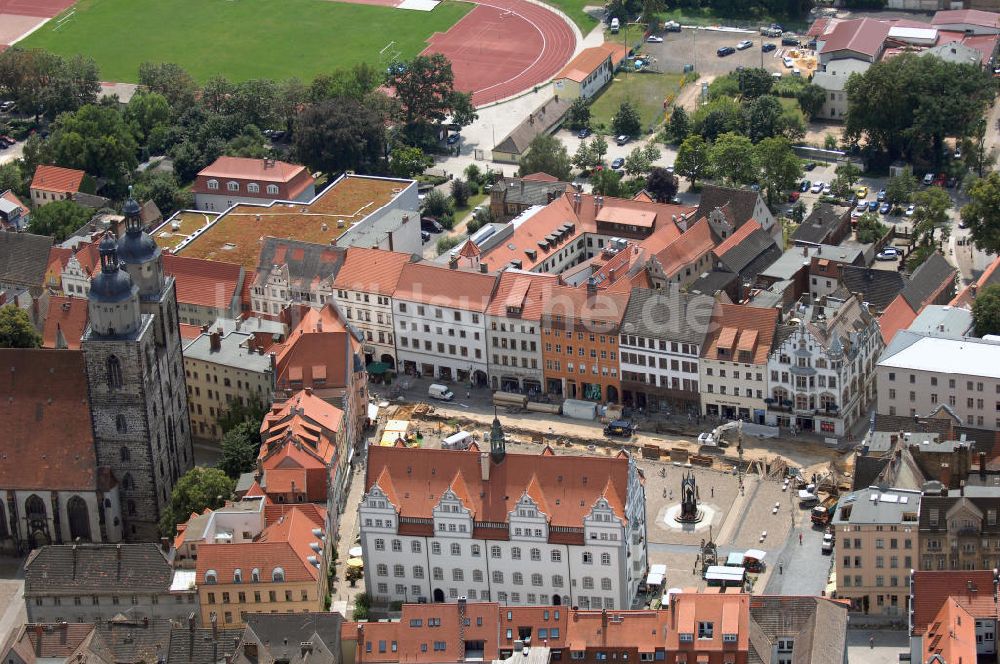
(698, 47)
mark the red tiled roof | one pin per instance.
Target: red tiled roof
(294, 178)
(822, 26)
(741, 234)
(469, 249)
(58, 257)
(415, 478)
(283, 544)
(316, 353)
(47, 428)
(863, 35)
(371, 270)
(970, 16)
(204, 283)
(67, 318)
(441, 286)
(694, 243)
(11, 197)
(951, 636)
(189, 332)
(990, 275)
(576, 304)
(59, 641)
(732, 328)
(933, 588)
(540, 177)
(57, 179)
(897, 316)
(589, 59)
(526, 291)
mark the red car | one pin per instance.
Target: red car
(793, 197)
(940, 180)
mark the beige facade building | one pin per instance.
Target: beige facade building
(876, 547)
(228, 362)
(919, 373)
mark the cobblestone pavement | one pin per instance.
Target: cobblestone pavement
(888, 644)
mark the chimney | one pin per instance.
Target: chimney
(484, 268)
(484, 465)
(390, 242)
(215, 342)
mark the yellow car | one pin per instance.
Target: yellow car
(861, 192)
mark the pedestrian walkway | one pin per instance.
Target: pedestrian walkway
(342, 594)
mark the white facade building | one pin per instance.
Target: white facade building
(535, 546)
(821, 374)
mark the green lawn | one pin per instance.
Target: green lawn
(240, 39)
(645, 90)
(574, 9)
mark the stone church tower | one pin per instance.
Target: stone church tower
(135, 374)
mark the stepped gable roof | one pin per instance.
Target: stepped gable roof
(568, 485)
(371, 270)
(84, 568)
(49, 439)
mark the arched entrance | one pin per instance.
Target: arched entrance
(79, 519)
(556, 600)
(38, 521)
(612, 394)
(438, 595)
(389, 360)
(479, 378)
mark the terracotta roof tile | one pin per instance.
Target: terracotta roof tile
(932, 589)
(57, 179)
(694, 243)
(897, 316)
(730, 322)
(991, 275)
(47, 429)
(570, 484)
(65, 322)
(523, 291)
(204, 283)
(863, 35)
(970, 16)
(589, 59)
(439, 285)
(316, 354)
(295, 176)
(371, 270)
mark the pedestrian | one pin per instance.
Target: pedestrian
(664, 492)
(781, 569)
(800, 539)
(713, 492)
(871, 642)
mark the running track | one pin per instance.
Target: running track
(505, 47)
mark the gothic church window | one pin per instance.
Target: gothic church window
(114, 373)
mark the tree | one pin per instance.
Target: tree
(650, 9)
(870, 228)
(240, 447)
(169, 80)
(811, 98)
(460, 192)
(94, 139)
(931, 212)
(578, 115)
(197, 490)
(59, 219)
(978, 155)
(763, 118)
(341, 134)
(546, 154)
(679, 126)
(606, 182)
(10, 177)
(693, 160)
(188, 159)
(600, 148)
(436, 204)
(779, 167)
(356, 83)
(16, 330)
(637, 162)
(900, 187)
(162, 189)
(798, 212)
(585, 158)
(626, 121)
(986, 311)
(716, 118)
(754, 82)
(425, 92)
(661, 184)
(473, 174)
(146, 111)
(982, 213)
(243, 411)
(42, 82)
(407, 162)
(732, 158)
(849, 172)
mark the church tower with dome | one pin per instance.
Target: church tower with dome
(135, 374)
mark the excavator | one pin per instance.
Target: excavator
(715, 437)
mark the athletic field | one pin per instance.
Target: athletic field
(240, 39)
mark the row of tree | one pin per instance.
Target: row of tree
(732, 158)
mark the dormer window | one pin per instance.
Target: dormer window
(253, 188)
(255, 575)
(272, 189)
(213, 184)
(233, 186)
(278, 575)
(237, 575)
(211, 577)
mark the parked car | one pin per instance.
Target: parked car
(672, 26)
(804, 186)
(620, 428)
(7, 106)
(622, 140)
(861, 191)
(744, 45)
(768, 47)
(963, 224)
(928, 178)
(723, 51)
(430, 225)
(873, 206)
(827, 189)
(817, 187)
(788, 62)
(881, 195)
(425, 236)
(888, 254)
(584, 133)
(810, 166)
(790, 40)
(654, 39)
(958, 153)
(884, 208)
(951, 183)
(862, 205)
(910, 210)
(454, 138)
(793, 197)
(940, 180)
(617, 163)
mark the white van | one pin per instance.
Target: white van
(615, 26)
(457, 441)
(440, 392)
